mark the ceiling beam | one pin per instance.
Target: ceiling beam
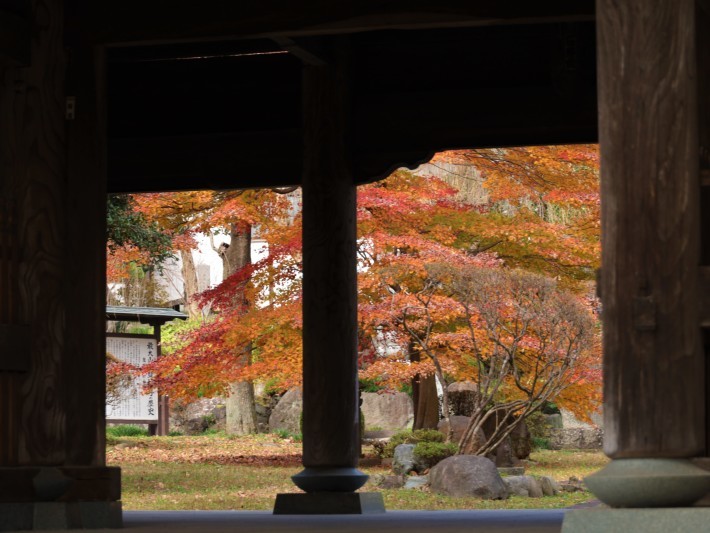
(122, 22)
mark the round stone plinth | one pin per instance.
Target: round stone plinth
(345, 479)
(649, 483)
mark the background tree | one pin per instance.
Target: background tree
(520, 339)
(406, 224)
(218, 213)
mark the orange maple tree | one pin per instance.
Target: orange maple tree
(541, 217)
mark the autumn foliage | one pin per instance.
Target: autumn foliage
(498, 291)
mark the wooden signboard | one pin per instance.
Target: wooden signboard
(133, 405)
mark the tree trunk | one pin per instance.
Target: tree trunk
(241, 411)
(426, 406)
(189, 275)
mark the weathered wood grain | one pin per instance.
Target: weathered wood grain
(330, 385)
(654, 369)
(84, 365)
(32, 155)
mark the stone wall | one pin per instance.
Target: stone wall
(575, 434)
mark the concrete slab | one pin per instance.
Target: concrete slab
(515, 521)
(661, 520)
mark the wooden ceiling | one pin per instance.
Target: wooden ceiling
(208, 94)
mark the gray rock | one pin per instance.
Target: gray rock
(577, 438)
(286, 415)
(503, 455)
(468, 475)
(459, 425)
(521, 441)
(387, 411)
(194, 418)
(403, 460)
(534, 488)
(462, 398)
(516, 485)
(388, 482)
(523, 486)
(549, 486)
(416, 482)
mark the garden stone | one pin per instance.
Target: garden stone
(523, 486)
(387, 411)
(416, 482)
(521, 441)
(459, 425)
(286, 416)
(468, 475)
(516, 485)
(502, 455)
(462, 398)
(549, 486)
(403, 460)
(388, 482)
(194, 418)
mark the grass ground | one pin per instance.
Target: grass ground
(221, 473)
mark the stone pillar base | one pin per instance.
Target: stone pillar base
(23, 516)
(330, 503)
(659, 520)
(644, 483)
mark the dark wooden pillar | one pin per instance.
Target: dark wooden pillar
(52, 463)
(330, 382)
(330, 385)
(654, 366)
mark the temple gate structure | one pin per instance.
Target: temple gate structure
(136, 95)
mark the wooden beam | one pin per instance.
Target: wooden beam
(307, 52)
(220, 161)
(136, 21)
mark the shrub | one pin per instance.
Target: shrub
(427, 454)
(540, 443)
(411, 437)
(126, 431)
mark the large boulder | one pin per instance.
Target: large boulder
(387, 411)
(462, 398)
(468, 475)
(459, 425)
(286, 416)
(194, 418)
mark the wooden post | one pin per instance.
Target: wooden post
(51, 170)
(330, 385)
(163, 401)
(654, 365)
(330, 382)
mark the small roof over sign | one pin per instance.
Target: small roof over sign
(155, 316)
